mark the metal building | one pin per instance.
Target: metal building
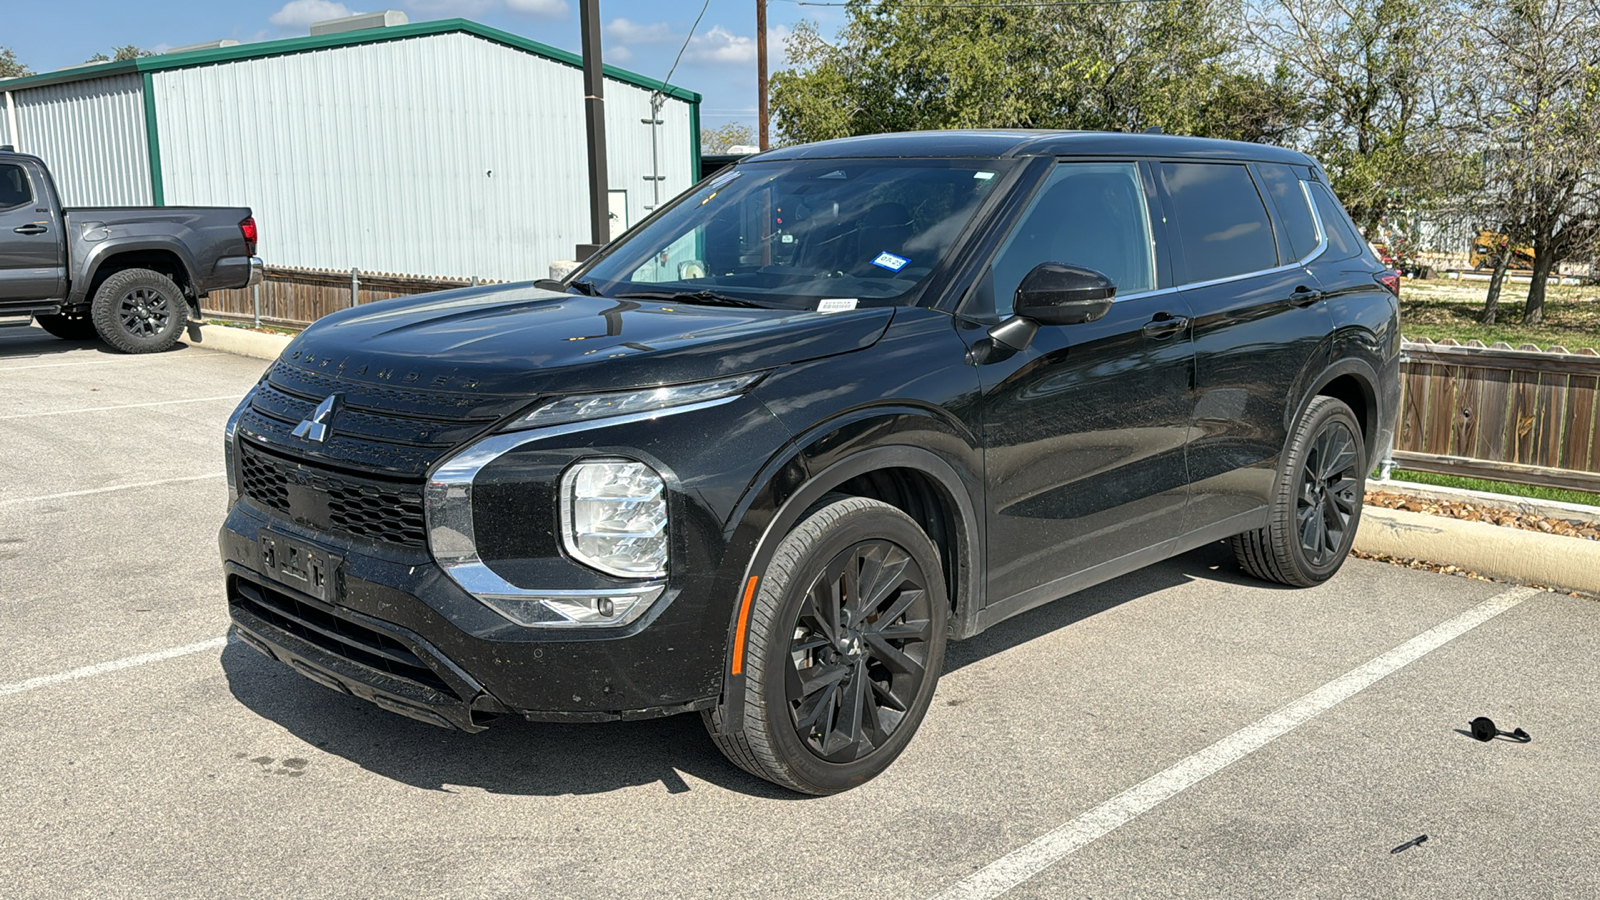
(441, 148)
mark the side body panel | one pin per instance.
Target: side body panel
(32, 248)
(205, 240)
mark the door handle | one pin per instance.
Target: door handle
(31, 229)
(1304, 296)
(1165, 325)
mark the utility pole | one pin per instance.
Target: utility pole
(594, 111)
(761, 70)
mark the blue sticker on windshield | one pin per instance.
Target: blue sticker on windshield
(887, 260)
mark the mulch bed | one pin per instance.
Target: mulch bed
(1472, 512)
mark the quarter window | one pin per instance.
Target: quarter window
(1298, 229)
(1087, 214)
(1222, 225)
(14, 189)
(1343, 241)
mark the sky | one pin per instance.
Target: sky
(643, 36)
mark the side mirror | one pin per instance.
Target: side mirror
(1061, 294)
(1054, 294)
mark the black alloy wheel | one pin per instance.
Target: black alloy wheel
(144, 313)
(846, 636)
(1316, 505)
(1329, 495)
(139, 311)
(859, 654)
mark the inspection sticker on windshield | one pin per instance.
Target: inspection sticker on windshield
(887, 260)
(837, 305)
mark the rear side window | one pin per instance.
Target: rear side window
(1343, 240)
(14, 189)
(1222, 224)
(1296, 227)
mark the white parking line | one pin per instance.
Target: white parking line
(92, 362)
(6, 501)
(63, 412)
(1022, 864)
(116, 665)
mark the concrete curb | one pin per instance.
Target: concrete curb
(239, 341)
(1552, 509)
(1526, 557)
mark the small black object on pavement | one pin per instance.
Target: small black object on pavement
(1483, 728)
(1414, 842)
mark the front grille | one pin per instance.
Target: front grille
(337, 634)
(377, 510)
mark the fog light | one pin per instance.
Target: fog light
(614, 517)
(571, 608)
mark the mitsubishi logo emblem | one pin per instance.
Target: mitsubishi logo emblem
(316, 427)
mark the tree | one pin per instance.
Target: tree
(10, 66)
(120, 54)
(1535, 111)
(901, 65)
(717, 140)
(1370, 72)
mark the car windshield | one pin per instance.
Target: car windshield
(794, 233)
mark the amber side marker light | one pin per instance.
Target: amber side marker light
(744, 622)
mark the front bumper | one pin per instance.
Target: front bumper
(396, 631)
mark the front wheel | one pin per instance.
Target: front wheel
(844, 646)
(139, 311)
(1317, 505)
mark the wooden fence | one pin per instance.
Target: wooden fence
(1524, 415)
(297, 297)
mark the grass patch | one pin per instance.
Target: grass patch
(1497, 487)
(247, 326)
(1439, 309)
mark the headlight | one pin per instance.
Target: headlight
(614, 517)
(583, 407)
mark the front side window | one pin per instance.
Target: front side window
(792, 233)
(1087, 214)
(14, 188)
(1222, 224)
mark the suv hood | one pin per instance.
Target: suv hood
(518, 339)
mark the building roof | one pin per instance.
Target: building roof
(265, 49)
(1010, 143)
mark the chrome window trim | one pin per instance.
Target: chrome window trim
(465, 567)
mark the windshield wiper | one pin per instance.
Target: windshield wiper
(708, 298)
(552, 284)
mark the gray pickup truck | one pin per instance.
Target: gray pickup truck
(131, 275)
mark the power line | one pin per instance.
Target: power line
(686, 40)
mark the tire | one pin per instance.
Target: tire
(68, 328)
(1316, 506)
(798, 729)
(139, 311)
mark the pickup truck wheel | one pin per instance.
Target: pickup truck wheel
(68, 328)
(844, 646)
(139, 311)
(1317, 506)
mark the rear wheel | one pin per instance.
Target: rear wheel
(1317, 505)
(139, 311)
(844, 647)
(68, 328)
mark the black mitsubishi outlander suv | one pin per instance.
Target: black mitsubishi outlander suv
(764, 455)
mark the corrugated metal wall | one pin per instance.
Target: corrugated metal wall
(446, 155)
(91, 134)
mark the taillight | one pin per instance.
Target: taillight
(248, 229)
(1390, 280)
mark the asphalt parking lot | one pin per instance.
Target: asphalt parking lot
(1181, 732)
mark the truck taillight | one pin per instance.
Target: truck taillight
(1390, 280)
(248, 229)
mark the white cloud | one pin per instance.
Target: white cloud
(719, 45)
(302, 13)
(777, 46)
(545, 9)
(630, 32)
(451, 8)
(618, 55)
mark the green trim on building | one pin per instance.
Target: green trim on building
(152, 140)
(694, 145)
(268, 49)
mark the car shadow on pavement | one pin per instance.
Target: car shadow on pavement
(29, 342)
(512, 757)
(542, 759)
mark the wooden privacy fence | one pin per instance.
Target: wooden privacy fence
(1525, 415)
(297, 297)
